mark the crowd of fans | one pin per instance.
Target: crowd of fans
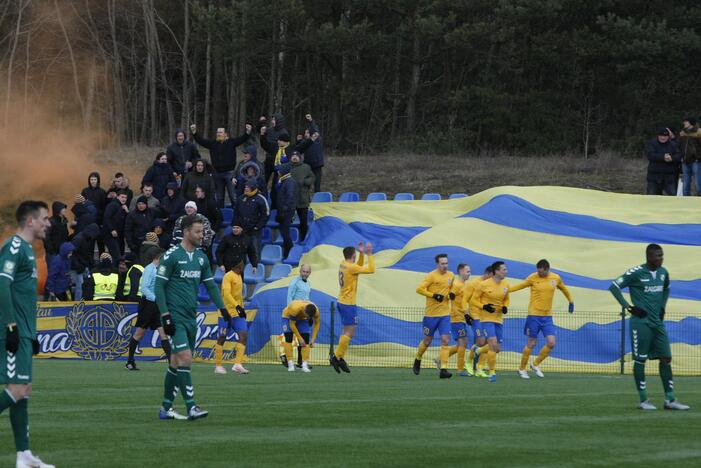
(113, 231)
(675, 160)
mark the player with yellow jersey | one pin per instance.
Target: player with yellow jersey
(351, 267)
(439, 289)
(459, 319)
(491, 297)
(479, 339)
(543, 284)
(297, 317)
(232, 294)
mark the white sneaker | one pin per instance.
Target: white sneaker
(219, 370)
(239, 369)
(675, 405)
(523, 374)
(646, 405)
(305, 367)
(537, 371)
(27, 459)
(290, 366)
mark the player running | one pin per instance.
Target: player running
(491, 297)
(18, 339)
(479, 339)
(348, 281)
(182, 269)
(439, 290)
(232, 293)
(459, 318)
(297, 317)
(648, 285)
(543, 284)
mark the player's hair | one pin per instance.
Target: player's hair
(147, 184)
(310, 311)
(188, 221)
(543, 264)
(348, 252)
(238, 265)
(160, 153)
(440, 255)
(29, 208)
(652, 248)
(496, 265)
(122, 192)
(489, 270)
(460, 267)
(117, 175)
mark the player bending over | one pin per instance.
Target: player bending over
(297, 317)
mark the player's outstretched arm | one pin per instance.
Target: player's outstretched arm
(520, 286)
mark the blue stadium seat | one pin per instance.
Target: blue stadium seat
(227, 230)
(403, 196)
(322, 197)
(250, 278)
(311, 216)
(279, 271)
(257, 288)
(271, 255)
(294, 256)
(271, 220)
(349, 197)
(267, 237)
(202, 294)
(376, 196)
(431, 196)
(218, 276)
(457, 195)
(215, 245)
(294, 234)
(227, 216)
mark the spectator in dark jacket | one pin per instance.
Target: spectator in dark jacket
(206, 207)
(163, 237)
(58, 279)
(172, 207)
(120, 182)
(282, 151)
(303, 175)
(151, 200)
(84, 213)
(270, 131)
(690, 147)
(96, 195)
(249, 167)
(314, 154)
(113, 225)
(138, 222)
(252, 213)
(287, 203)
(57, 233)
(235, 248)
(198, 176)
(663, 156)
(83, 258)
(159, 175)
(182, 153)
(222, 153)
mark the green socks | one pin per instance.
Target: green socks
(19, 419)
(169, 387)
(186, 388)
(667, 382)
(639, 375)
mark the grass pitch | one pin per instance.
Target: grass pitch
(96, 414)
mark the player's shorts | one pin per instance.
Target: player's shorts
(148, 315)
(236, 324)
(477, 330)
(302, 326)
(648, 342)
(431, 324)
(16, 368)
(494, 330)
(536, 324)
(459, 330)
(185, 335)
(349, 314)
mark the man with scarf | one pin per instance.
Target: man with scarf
(287, 204)
(282, 149)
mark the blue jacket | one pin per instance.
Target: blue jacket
(84, 214)
(287, 198)
(314, 154)
(58, 280)
(159, 175)
(251, 213)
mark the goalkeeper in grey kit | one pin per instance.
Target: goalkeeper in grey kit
(648, 285)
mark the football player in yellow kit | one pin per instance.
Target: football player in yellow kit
(297, 317)
(543, 284)
(479, 339)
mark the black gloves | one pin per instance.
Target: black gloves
(241, 312)
(662, 315)
(35, 347)
(12, 340)
(451, 296)
(489, 308)
(468, 319)
(438, 297)
(168, 325)
(504, 310)
(225, 314)
(637, 311)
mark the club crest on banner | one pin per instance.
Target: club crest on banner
(98, 331)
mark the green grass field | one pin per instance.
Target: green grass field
(95, 414)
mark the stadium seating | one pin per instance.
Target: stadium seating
(227, 230)
(349, 197)
(256, 289)
(271, 255)
(376, 196)
(215, 245)
(279, 271)
(227, 216)
(294, 256)
(271, 220)
(250, 278)
(267, 236)
(218, 276)
(431, 196)
(202, 294)
(294, 234)
(457, 195)
(322, 197)
(403, 196)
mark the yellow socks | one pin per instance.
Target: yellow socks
(343, 343)
(218, 354)
(483, 349)
(471, 355)
(492, 362)
(544, 352)
(288, 351)
(445, 355)
(453, 350)
(525, 356)
(461, 358)
(420, 352)
(481, 361)
(240, 353)
(306, 352)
